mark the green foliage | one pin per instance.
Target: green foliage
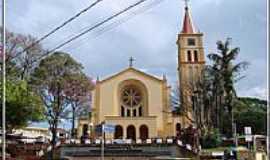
(78, 92)
(251, 112)
(248, 103)
(226, 73)
(22, 105)
(211, 139)
(50, 80)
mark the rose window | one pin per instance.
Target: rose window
(131, 97)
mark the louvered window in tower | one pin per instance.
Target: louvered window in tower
(196, 56)
(189, 58)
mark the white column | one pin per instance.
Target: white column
(137, 131)
(124, 132)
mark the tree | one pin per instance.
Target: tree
(213, 95)
(227, 73)
(20, 60)
(49, 80)
(251, 112)
(22, 106)
(78, 91)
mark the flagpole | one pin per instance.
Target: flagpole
(3, 81)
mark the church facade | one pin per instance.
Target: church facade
(138, 104)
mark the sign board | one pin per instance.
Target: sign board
(247, 130)
(106, 128)
(248, 138)
(109, 128)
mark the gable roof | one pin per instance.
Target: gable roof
(133, 70)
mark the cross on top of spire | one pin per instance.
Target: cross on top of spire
(131, 60)
(187, 24)
(186, 4)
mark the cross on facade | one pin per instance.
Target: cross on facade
(131, 60)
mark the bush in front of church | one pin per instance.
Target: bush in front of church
(211, 140)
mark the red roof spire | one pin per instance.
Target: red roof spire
(187, 24)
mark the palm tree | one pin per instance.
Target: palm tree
(226, 73)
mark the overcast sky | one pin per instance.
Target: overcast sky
(149, 36)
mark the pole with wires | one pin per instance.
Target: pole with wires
(3, 81)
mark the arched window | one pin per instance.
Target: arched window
(178, 129)
(196, 59)
(140, 111)
(122, 111)
(118, 134)
(85, 130)
(128, 112)
(131, 101)
(131, 132)
(189, 58)
(143, 132)
(134, 112)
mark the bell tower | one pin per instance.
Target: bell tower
(190, 62)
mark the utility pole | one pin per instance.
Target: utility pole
(103, 141)
(268, 96)
(3, 80)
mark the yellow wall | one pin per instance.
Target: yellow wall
(106, 103)
(109, 101)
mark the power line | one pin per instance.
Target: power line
(98, 24)
(59, 27)
(121, 21)
(91, 28)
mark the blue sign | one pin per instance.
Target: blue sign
(109, 128)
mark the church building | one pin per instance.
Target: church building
(138, 104)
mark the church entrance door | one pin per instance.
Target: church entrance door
(131, 132)
(118, 132)
(85, 130)
(143, 132)
(178, 130)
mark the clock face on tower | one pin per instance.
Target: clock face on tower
(131, 97)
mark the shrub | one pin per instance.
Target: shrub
(211, 139)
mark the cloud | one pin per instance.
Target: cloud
(150, 36)
(257, 92)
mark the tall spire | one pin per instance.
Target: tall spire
(187, 24)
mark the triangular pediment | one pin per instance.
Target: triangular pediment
(135, 71)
